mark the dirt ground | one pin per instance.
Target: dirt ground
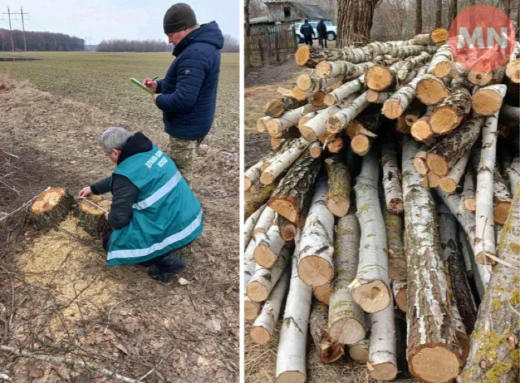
(58, 297)
(260, 360)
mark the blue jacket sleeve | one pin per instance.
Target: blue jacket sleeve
(159, 86)
(191, 72)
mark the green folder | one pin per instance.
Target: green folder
(140, 85)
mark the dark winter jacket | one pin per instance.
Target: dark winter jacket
(322, 29)
(307, 30)
(124, 192)
(189, 90)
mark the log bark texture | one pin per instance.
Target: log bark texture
(338, 195)
(391, 178)
(91, 218)
(382, 358)
(328, 349)
(50, 208)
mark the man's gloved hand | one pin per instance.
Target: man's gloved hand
(85, 192)
(150, 84)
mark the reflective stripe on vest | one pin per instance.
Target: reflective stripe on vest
(161, 192)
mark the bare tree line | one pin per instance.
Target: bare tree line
(40, 41)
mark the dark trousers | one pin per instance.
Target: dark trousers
(308, 40)
(322, 40)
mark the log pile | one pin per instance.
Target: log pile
(390, 201)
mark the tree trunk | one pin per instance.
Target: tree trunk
(507, 7)
(265, 221)
(346, 318)
(370, 289)
(315, 266)
(453, 11)
(328, 350)
(401, 99)
(51, 207)
(246, 17)
(338, 196)
(382, 358)
(250, 224)
(91, 218)
(263, 280)
(418, 17)
(431, 89)
(288, 199)
(485, 226)
(284, 161)
(488, 101)
(450, 149)
(494, 343)
(265, 323)
(391, 178)
(438, 14)
(460, 288)
(291, 356)
(434, 354)
(354, 22)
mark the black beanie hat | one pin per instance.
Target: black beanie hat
(180, 16)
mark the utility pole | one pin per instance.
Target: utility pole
(9, 13)
(11, 29)
(23, 28)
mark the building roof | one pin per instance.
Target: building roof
(311, 11)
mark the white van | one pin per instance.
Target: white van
(331, 30)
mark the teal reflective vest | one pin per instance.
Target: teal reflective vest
(166, 215)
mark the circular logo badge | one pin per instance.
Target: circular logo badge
(481, 38)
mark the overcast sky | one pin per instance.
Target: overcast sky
(95, 20)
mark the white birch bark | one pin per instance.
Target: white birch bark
(251, 309)
(263, 280)
(401, 99)
(391, 178)
(378, 97)
(382, 358)
(468, 192)
(346, 69)
(264, 221)
(450, 182)
(419, 161)
(261, 123)
(268, 246)
(315, 266)
(341, 119)
(284, 161)
(485, 223)
(501, 199)
(251, 222)
(370, 288)
(412, 63)
(513, 173)
(345, 90)
(466, 253)
(399, 291)
(291, 356)
(487, 101)
(252, 174)
(265, 323)
(288, 119)
(311, 83)
(441, 63)
(396, 253)
(346, 318)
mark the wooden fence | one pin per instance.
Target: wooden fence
(270, 44)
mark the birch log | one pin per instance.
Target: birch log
(450, 182)
(468, 193)
(421, 129)
(268, 246)
(311, 83)
(344, 91)
(284, 161)
(382, 358)
(399, 290)
(396, 253)
(485, 226)
(466, 253)
(264, 221)
(448, 115)
(488, 101)
(431, 90)
(251, 222)
(346, 69)
(391, 178)
(322, 293)
(494, 353)
(263, 279)
(370, 288)
(434, 354)
(501, 199)
(328, 349)
(359, 351)
(315, 266)
(419, 161)
(338, 195)
(251, 309)
(513, 173)
(341, 119)
(346, 318)
(265, 323)
(287, 228)
(291, 356)
(441, 63)
(401, 99)
(277, 107)
(288, 119)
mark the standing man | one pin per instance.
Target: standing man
(307, 31)
(188, 94)
(322, 33)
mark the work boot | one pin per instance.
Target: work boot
(166, 267)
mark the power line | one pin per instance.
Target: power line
(9, 13)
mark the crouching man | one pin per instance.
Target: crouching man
(153, 213)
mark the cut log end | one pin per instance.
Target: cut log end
(470, 204)
(323, 69)
(444, 120)
(260, 335)
(501, 212)
(308, 133)
(421, 130)
(420, 165)
(360, 144)
(431, 91)
(486, 102)
(251, 310)
(359, 352)
(291, 377)
(315, 151)
(378, 78)
(480, 78)
(304, 82)
(329, 99)
(318, 99)
(442, 69)
(91, 218)
(395, 206)
(383, 371)
(435, 364)
(264, 256)
(397, 269)
(266, 178)
(513, 71)
(299, 94)
(257, 292)
(274, 108)
(322, 293)
(400, 299)
(247, 183)
(437, 164)
(285, 208)
(50, 208)
(288, 232)
(48, 200)
(333, 352)
(448, 185)
(302, 55)
(347, 331)
(433, 179)
(439, 36)
(315, 271)
(338, 205)
(392, 109)
(373, 296)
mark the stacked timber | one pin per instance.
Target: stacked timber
(345, 237)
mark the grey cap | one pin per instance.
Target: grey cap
(179, 17)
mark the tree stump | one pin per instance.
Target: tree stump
(50, 208)
(91, 218)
